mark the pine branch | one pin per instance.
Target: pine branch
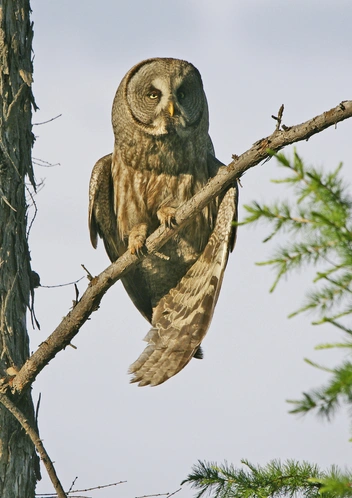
(274, 480)
(326, 400)
(323, 199)
(321, 222)
(336, 484)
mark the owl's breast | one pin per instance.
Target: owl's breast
(140, 192)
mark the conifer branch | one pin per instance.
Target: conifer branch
(327, 399)
(324, 200)
(274, 480)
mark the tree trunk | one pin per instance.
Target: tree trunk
(19, 469)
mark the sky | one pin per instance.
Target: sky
(253, 57)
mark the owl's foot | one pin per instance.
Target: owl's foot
(137, 238)
(166, 216)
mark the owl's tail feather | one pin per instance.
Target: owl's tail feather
(182, 317)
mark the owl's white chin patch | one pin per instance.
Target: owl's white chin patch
(160, 127)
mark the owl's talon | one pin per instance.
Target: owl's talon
(137, 238)
(141, 251)
(166, 216)
(137, 247)
(170, 223)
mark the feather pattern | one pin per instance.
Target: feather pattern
(182, 317)
(162, 156)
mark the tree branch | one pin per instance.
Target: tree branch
(91, 298)
(71, 492)
(32, 433)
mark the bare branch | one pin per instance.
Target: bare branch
(167, 495)
(44, 164)
(97, 487)
(32, 433)
(71, 491)
(48, 121)
(278, 118)
(174, 493)
(226, 177)
(72, 484)
(61, 285)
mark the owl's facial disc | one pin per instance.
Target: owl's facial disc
(165, 103)
(169, 115)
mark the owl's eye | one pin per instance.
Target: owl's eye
(181, 95)
(154, 94)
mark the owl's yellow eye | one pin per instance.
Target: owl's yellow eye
(154, 94)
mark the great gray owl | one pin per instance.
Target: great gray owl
(162, 156)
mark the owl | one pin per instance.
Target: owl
(162, 156)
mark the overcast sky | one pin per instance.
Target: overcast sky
(253, 56)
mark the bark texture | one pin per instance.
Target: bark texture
(18, 460)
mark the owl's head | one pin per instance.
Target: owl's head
(162, 97)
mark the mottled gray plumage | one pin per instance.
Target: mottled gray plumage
(162, 156)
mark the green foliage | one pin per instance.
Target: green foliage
(328, 398)
(317, 229)
(276, 480)
(321, 221)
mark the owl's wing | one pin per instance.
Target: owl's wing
(102, 222)
(102, 219)
(182, 317)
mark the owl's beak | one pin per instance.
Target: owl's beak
(171, 108)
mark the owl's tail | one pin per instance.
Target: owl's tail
(182, 317)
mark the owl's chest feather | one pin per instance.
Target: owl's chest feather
(140, 193)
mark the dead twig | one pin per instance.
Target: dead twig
(48, 121)
(278, 118)
(61, 285)
(89, 275)
(71, 491)
(160, 494)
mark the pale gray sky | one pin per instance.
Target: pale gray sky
(253, 56)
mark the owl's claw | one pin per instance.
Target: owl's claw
(137, 247)
(166, 216)
(137, 238)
